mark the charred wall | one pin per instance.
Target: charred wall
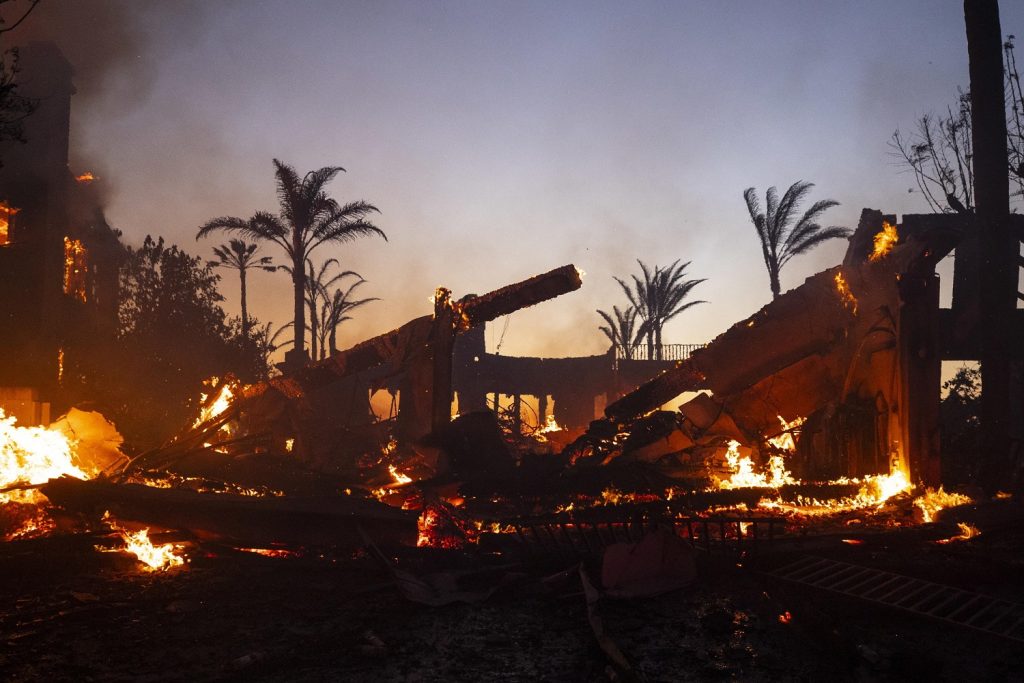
(59, 260)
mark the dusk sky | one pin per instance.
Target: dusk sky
(503, 139)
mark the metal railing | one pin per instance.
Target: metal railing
(658, 352)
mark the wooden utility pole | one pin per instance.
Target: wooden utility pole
(998, 267)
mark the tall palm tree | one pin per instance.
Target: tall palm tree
(657, 298)
(241, 256)
(621, 330)
(308, 217)
(781, 238)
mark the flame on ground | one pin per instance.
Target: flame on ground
(967, 532)
(85, 178)
(884, 241)
(153, 557)
(33, 455)
(931, 501)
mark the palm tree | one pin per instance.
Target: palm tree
(318, 300)
(621, 330)
(308, 218)
(658, 298)
(266, 339)
(241, 256)
(335, 311)
(781, 239)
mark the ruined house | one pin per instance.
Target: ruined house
(59, 255)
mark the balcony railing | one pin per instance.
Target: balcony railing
(658, 352)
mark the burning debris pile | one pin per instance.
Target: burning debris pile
(804, 413)
(800, 427)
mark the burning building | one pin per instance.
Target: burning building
(59, 256)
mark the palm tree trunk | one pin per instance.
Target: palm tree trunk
(776, 287)
(334, 337)
(299, 283)
(657, 341)
(245, 311)
(314, 330)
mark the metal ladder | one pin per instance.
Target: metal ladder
(964, 608)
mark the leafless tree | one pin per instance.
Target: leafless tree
(938, 151)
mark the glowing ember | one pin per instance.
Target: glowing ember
(289, 444)
(884, 241)
(785, 618)
(931, 501)
(75, 268)
(438, 529)
(85, 178)
(6, 213)
(33, 455)
(967, 532)
(400, 479)
(271, 552)
(845, 295)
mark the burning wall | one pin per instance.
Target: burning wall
(57, 253)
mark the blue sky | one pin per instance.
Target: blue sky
(502, 139)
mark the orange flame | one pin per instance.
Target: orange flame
(6, 212)
(967, 532)
(845, 295)
(153, 557)
(75, 268)
(884, 241)
(225, 394)
(85, 178)
(932, 501)
(33, 455)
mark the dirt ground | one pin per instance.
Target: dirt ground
(69, 612)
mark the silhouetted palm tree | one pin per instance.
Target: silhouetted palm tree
(335, 311)
(308, 218)
(781, 239)
(241, 256)
(657, 298)
(317, 296)
(266, 339)
(621, 330)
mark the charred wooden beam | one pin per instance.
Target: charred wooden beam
(512, 298)
(408, 341)
(658, 391)
(246, 520)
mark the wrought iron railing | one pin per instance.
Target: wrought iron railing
(657, 352)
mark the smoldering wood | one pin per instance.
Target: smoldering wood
(242, 520)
